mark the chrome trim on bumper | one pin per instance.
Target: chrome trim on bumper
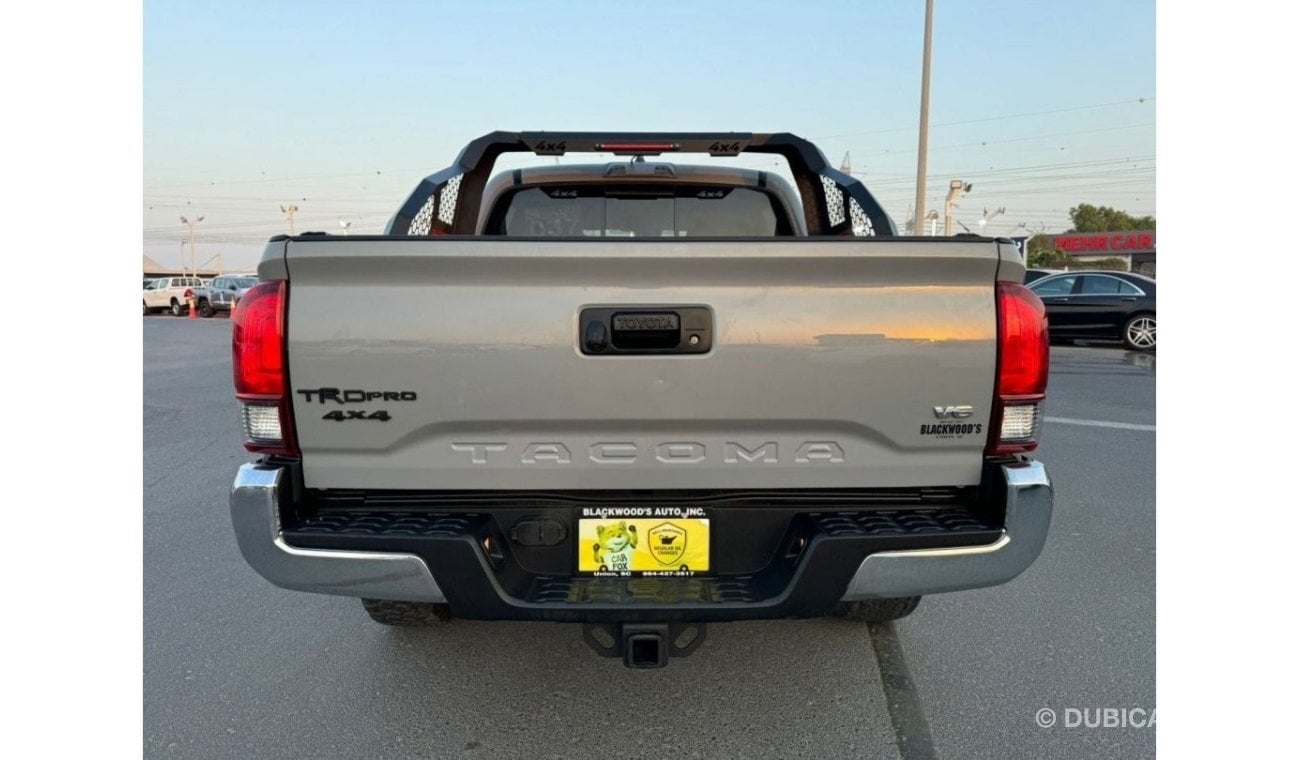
(255, 512)
(916, 572)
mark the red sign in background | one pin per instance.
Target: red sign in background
(1125, 242)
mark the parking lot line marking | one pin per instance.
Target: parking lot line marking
(1101, 423)
(911, 730)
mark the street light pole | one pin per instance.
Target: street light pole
(984, 220)
(956, 189)
(925, 119)
(193, 266)
(933, 219)
(289, 211)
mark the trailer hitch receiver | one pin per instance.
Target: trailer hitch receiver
(643, 645)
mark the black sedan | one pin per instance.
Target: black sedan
(1100, 306)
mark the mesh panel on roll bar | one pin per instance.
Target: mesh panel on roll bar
(861, 223)
(834, 201)
(447, 200)
(420, 225)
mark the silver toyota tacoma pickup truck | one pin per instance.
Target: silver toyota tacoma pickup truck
(641, 396)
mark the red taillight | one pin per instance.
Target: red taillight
(1022, 341)
(258, 349)
(1022, 370)
(258, 341)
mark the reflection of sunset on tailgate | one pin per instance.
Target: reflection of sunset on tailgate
(896, 312)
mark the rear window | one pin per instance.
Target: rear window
(1054, 286)
(657, 211)
(1101, 285)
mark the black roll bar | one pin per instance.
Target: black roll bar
(447, 202)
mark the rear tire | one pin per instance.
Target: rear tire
(408, 614)
(177, 309)
(877, 610)
(1140, 332)
(205, 309)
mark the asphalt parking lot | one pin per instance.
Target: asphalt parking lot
(235, 667)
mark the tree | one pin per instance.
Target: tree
(1089, 218)
(1041, 255)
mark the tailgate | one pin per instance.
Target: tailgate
(456, 363)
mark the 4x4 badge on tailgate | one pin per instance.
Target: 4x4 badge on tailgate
(357, 414)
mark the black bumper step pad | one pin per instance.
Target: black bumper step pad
(904, 522)
(666, 591)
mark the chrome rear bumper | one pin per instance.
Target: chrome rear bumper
(918, 572)
(255, 512)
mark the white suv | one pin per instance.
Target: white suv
(170, 293)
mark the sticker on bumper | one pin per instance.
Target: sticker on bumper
(643, 541)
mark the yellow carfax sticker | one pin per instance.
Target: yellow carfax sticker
(643, 541)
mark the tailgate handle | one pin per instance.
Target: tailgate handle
(646, 330)
(657, 331)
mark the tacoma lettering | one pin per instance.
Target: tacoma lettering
(735, 452)
(668, 453)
